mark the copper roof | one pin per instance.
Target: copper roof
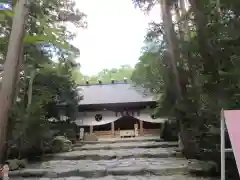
(120, 92)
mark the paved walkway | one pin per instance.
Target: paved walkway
(136, 159)
(131, 139)
(139, 138)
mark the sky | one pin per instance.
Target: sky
(114, 36)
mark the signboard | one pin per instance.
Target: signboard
(5, 5)
(230, 119)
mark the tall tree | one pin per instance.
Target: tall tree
(208, 70)
(106, 75)
(11, 66)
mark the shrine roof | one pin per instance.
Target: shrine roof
(117, 92)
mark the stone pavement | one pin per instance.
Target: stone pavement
(133, 139)
(112, 161)
(146, 177)
(126, 145)
(102, 154)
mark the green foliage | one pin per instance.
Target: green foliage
(61, 144)
(106, 75)
(208, 71)
(51, 87)
(44, 84)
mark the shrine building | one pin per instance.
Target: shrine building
(117, 109)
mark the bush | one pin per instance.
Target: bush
(61, 144)
(15, 164)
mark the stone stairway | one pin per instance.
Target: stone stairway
(112, 160)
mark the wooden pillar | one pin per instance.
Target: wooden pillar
(141, 127)
(113, 129)
(91, 129)
(136, 130)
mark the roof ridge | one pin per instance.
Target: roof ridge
(109, 83)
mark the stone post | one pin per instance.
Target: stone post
(5, 171)
(141, 127)
(136, 129)
(113, 129)
(81, 133)
(91, 130)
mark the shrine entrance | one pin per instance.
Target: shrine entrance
(125, 123)
(126, 126)
(115, 125)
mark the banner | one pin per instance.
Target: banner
(5, 5)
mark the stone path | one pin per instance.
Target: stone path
(112, 161)
(131, 139)
(147, 177)
(115, 154)
(126, 145)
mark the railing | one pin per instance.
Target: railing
(146, 132)
(103, 133)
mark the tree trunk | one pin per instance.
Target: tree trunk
(207, 50)
(184, 29)
(174, 52)
(183, 12)
(20, 62)
(172, 44)
(180, 25)
(11, 66)
(210, 55)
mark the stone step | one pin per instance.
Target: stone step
(146, 177)
(116, 154)
(117, 140)
(116, 167)
(125, 145)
